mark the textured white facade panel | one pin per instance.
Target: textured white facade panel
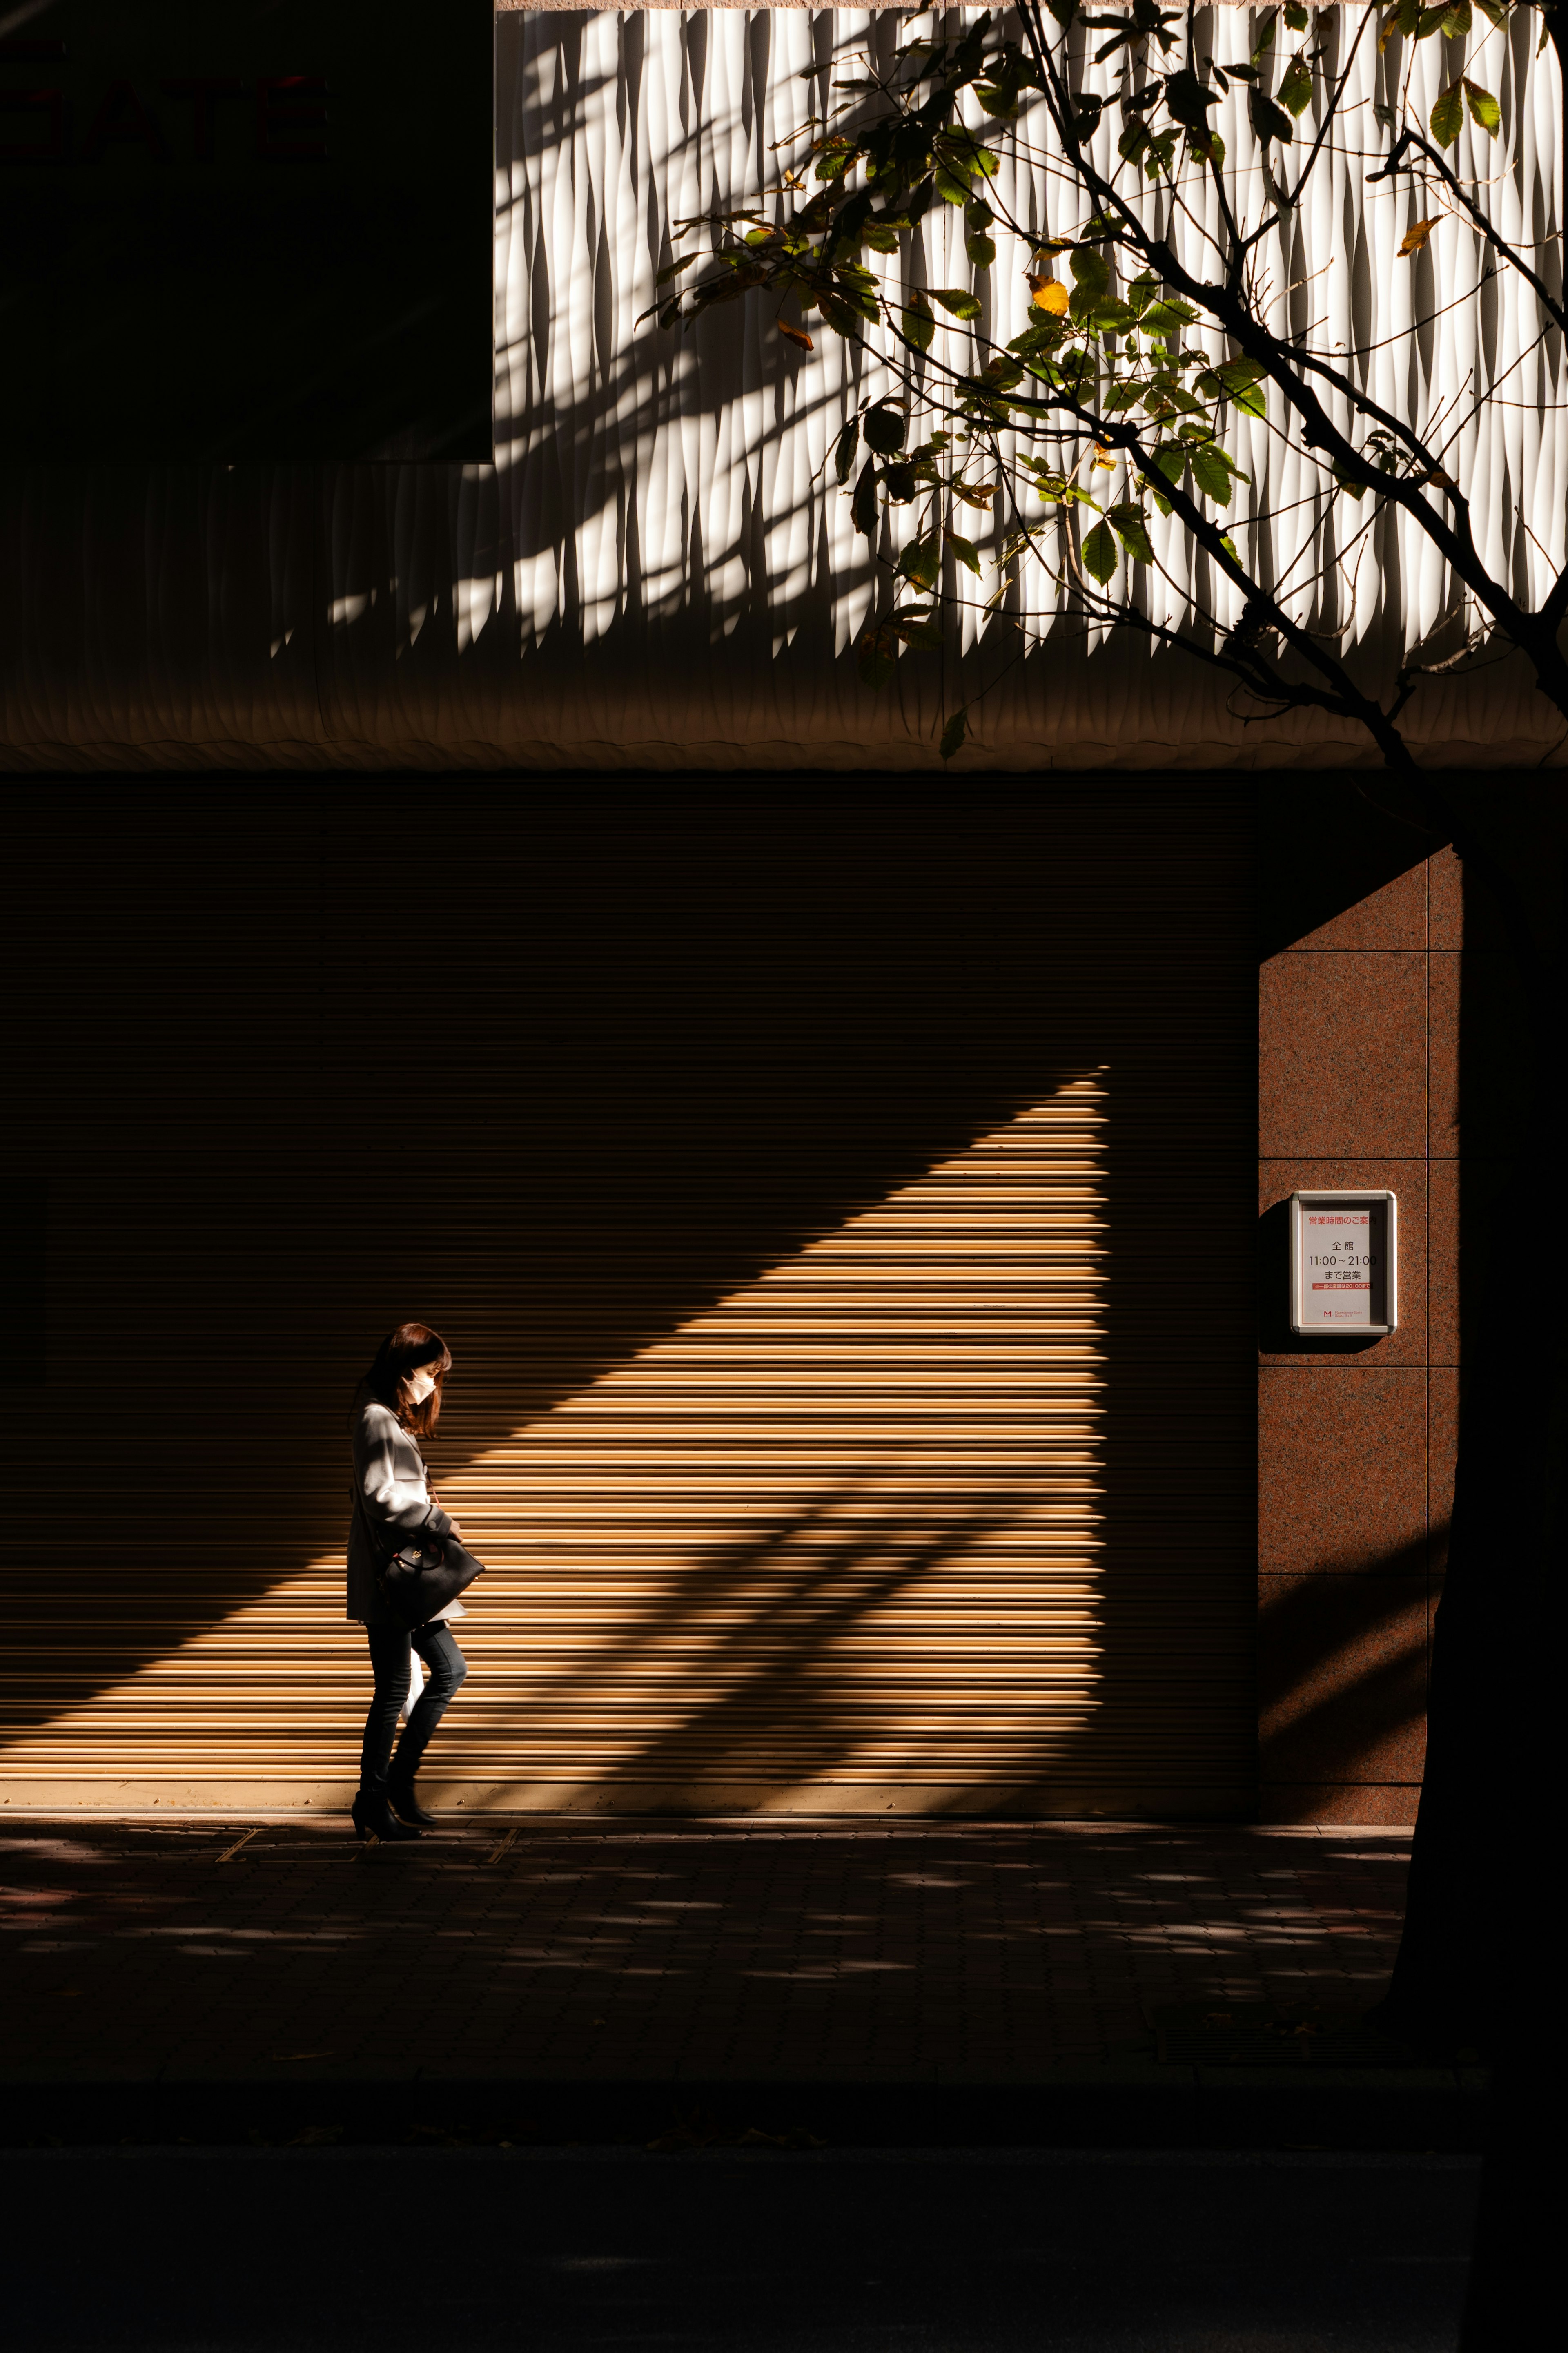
(653, 574)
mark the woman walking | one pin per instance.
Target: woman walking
(397, 1403)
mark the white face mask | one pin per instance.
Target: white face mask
(418, 1384)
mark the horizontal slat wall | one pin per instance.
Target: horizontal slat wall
(802, 1182)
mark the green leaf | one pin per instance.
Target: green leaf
(1447, 114)
(1497, 11)
(1485, 111)
(1188, 100)
(957, 728)
(1266, 33)
(1296, 16)
(921, 628)
(921, 560)
(1133, 531)
(1296, 85)
(1269, 121)
(723, 290)
(863, 505)
(996, 97)
(1132, 142)
(965, 549)
(981, 249)
(954, 298)
(875, 657)
(674, 269)
(1092, 272)
(951, 189)
(1235, 380)
(844, 453)
(900, 483)
(918, 323)
(1456, 20)
(1228, 545)
(1100, 556)
(1211, 474)
(885, 428)
(1170, 313)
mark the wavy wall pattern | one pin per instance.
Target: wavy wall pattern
(646, 575)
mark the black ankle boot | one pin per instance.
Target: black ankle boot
(373, 1816)
(400, 1791)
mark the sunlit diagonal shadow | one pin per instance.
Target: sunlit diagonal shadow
(831, 1541)
(830, 1544)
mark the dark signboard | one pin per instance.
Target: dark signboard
(259, 229)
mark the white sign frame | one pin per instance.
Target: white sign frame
(1335, 1198)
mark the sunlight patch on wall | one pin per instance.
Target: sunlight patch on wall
(842, 1527)
(831, 1544)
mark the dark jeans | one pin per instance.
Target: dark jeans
(389, 1649)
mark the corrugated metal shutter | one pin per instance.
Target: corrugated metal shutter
(836, 1200)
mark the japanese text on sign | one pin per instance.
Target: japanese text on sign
(1345, 1266)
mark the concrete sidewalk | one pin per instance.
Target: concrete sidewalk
(744, 1951)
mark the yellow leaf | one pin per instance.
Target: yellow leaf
(797, 336)
(1104, 456)
(1049, 294)
(1416, 237)
(975, 494)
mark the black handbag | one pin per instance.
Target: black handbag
(421, 1578)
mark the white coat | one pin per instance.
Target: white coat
(393, 1495)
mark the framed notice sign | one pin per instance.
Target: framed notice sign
(1344, 1263)
(257, 230)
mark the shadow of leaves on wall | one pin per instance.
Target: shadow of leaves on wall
(1342, 1663)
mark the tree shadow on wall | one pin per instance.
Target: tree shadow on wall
(1342, 1680)
(765, 1628)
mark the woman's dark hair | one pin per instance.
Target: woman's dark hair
(401, 1353)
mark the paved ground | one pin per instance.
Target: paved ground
(984, 2251)
(659, 1952)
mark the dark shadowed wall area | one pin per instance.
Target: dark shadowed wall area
(1359, 1045)
(836, 1193)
